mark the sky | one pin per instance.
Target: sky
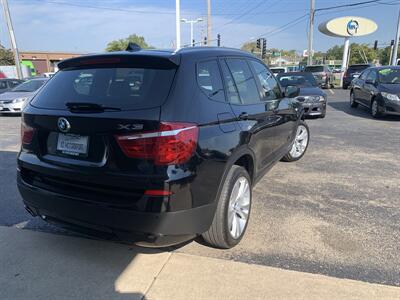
(86, 26)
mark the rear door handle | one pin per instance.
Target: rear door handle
(243, 116)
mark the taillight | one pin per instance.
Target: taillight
(345, 74)
(26, 134)
(173, 143)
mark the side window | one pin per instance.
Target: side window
(14, 83)
(271, 89)
(3, 85)
(364, 74)
(372, 76)
(244, 81)
(209, 80)
(232, 93)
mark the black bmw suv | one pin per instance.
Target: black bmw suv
(156, 147)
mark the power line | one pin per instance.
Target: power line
(243, 14)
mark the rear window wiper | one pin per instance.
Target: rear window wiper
(89, 107)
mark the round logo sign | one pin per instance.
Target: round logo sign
(352, 27)
(63, 125)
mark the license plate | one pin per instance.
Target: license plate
(72, 144)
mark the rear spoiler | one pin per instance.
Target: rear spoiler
(137, 59)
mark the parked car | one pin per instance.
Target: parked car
(13, 101)
(278, 70)
(8, 84)
(157, 146)
(48, 74)
(311, 96)
(322, 74)
(378, 89)
(352, 72)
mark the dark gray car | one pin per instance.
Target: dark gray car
(311, 96)
(323, 75)
(6, 84)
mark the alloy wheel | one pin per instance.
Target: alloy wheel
(374, 108)
(300, 142)
(239, 206)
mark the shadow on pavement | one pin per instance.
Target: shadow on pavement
(360, 111)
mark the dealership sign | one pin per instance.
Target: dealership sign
(348, 27)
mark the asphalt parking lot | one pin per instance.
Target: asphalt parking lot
(335, 212)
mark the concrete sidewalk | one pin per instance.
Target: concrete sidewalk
(36, 265)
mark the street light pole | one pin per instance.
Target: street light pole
(396, 42)
(12, 38)
(311, 33)
(178, 23)
(191, 22)
(209, 37)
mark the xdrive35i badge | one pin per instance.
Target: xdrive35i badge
(130, 127)
(63, 124)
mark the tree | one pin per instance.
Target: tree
(122, 44)
(358, 53)
(6, 57)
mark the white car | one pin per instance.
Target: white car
(13, 102)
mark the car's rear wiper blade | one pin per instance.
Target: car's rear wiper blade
(88, 107)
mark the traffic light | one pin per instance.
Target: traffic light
(258, 43)
(218, 40)
(264, 49)
(376, 45)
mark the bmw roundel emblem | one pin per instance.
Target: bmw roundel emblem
(63, 125)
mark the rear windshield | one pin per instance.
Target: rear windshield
(314, 69)
(358, 68)
(123, 88)
(300, 80)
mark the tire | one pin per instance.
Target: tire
(353, 103)
(220, 235)
(293, 155)
(375, 109)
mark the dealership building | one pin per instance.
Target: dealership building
(45, 61)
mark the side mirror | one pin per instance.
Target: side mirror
(292, 91)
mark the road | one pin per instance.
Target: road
(335, 212)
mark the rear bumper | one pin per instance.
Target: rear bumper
(159, 229)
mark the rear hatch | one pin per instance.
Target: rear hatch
(317, 71)
(354, 71)
(80, 120)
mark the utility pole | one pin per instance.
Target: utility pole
(209, 37)
(311, 33)
(178, 23)
(396, 42)
(12, 37)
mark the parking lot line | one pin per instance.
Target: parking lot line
(331, 91)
